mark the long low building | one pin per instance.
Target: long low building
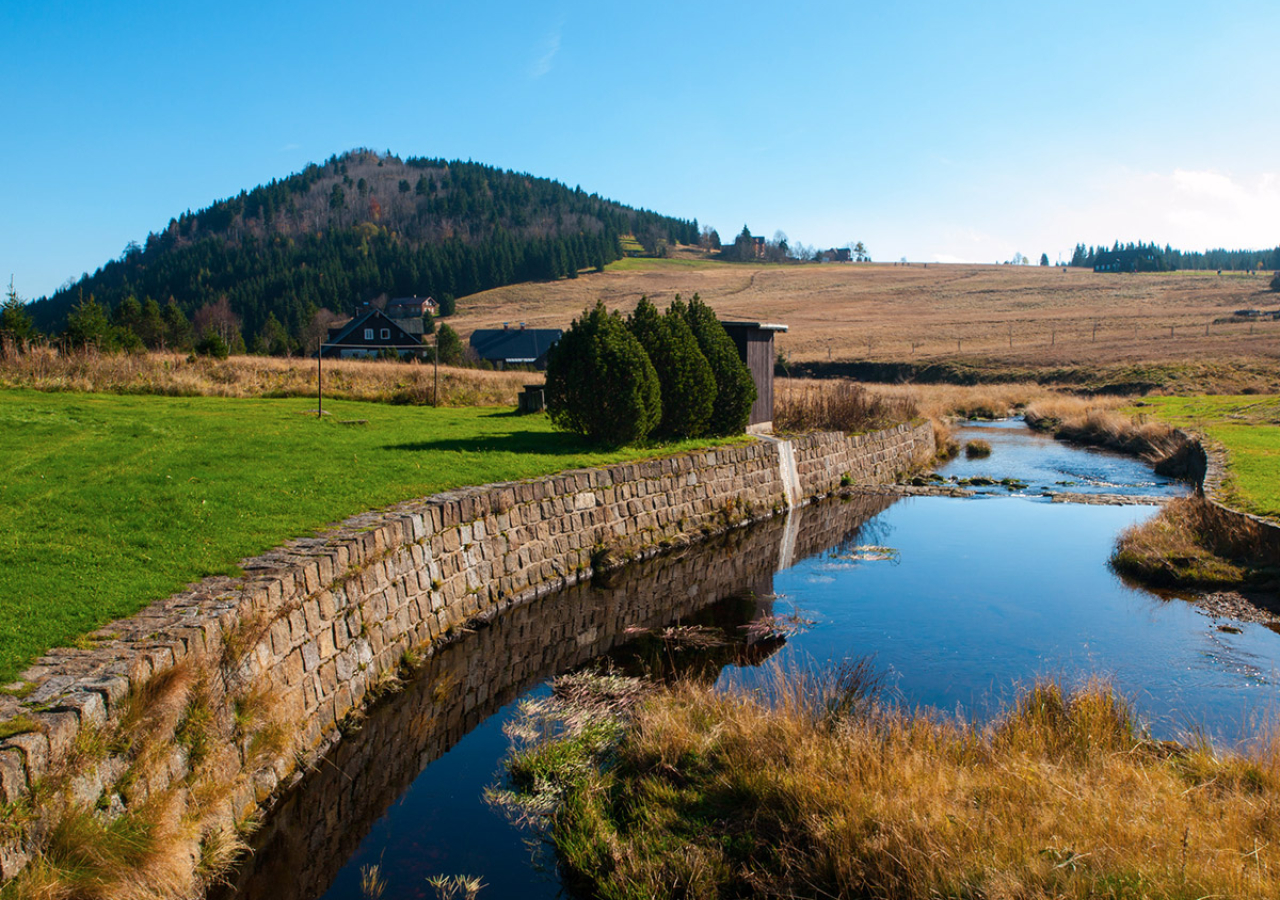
(506, 347)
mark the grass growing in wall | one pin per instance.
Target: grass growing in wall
(110, 502)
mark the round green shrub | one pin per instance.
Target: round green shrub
(600, 382)
(688, 385)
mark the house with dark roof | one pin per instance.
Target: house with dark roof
(506, 346)
(412, 313)
(370, 332)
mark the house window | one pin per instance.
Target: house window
(368, 334)
(386, 334)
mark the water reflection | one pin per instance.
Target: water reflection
(374, 799)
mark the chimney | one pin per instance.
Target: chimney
(522, 326)
(506, 325)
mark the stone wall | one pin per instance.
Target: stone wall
(321, 821)
(1252, 535)
(315, 627)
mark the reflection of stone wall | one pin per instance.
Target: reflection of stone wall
(314, 624)
(320, 823)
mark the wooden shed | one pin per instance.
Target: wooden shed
(754, 341)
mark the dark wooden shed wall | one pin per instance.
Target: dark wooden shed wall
(755, 348)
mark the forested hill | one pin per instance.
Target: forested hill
(361, 225)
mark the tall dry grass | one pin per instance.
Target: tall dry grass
(1190, 543)
(801, 404)
(1087, 421)
(173, 374)
(814, 789)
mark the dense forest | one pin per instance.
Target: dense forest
(361, 226)
(1142, 257)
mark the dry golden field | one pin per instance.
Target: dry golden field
(1006, 321)
(177, 375)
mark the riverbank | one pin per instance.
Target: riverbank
(202, 707)
(113, 502)
(815, 787)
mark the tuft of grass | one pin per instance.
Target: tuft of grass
(1181, 546)
(815, 788)
(977, 449)
(947, 446)
(19, 724)
(837, 405)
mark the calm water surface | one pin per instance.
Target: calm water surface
(975, 597)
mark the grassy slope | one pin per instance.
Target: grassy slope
(1012, 322)
(1249, 427)
(110, 502)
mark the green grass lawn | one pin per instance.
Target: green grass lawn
(110, 502)
(1249, 427)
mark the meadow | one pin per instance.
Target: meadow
(951, 322)
(110, 502)
(1248, 428)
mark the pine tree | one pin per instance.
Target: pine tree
(15, 321)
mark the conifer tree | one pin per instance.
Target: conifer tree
(687, 383)
(14, 319)
(735, 389)
(600, 382)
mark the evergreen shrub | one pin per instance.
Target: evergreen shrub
(688, 385)
(600, 382)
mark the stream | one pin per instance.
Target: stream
(957, 602)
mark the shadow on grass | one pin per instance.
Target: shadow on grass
(541, 444)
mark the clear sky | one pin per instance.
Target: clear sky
(935, 131)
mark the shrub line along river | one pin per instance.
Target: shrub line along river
(957, 601)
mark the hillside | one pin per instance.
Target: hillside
(361, 225)
(885, 322)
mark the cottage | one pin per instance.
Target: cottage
(754, 341)
(411, 313)
(507, 346)
(369, 333)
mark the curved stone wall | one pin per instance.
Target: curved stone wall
(278, 660)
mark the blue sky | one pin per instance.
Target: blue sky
(934, 131)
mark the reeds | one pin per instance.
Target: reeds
(173, 374)
(815, 788)
(977, 449)
(838, 405)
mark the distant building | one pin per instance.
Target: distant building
(410, 313)
(506, 346)
(836, 254)
(369, 333)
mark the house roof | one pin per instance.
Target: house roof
(514, 345)
(369, 318)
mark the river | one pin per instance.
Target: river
(956, 601)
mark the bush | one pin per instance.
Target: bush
(213, 345)
(735, 388)
(977, 449)
(1275, 281)
(600, 382)
(688, 386)
(449, 346)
